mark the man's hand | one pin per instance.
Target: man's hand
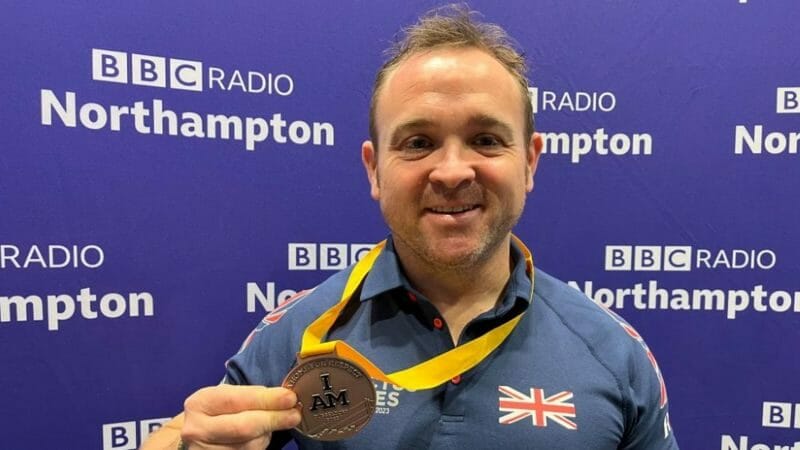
(237, 417)
(228, 417)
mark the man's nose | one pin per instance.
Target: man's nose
(454, 166)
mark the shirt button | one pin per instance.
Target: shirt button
(411, 296)
(456, 379)
(437, 323)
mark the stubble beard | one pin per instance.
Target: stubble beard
(488, 244)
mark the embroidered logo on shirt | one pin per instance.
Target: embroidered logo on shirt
(538, 407)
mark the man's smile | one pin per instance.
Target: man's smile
(452, 209)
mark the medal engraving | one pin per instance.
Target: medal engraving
(335, 397)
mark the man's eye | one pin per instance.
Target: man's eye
(486, 140)
(417, 143)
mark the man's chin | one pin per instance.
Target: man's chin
(455, 254)
(449, 252)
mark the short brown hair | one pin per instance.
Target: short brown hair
(454, 26)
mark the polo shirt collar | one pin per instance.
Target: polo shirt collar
(385, 274)
(520, 283)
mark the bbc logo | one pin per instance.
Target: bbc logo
(779, 415)
(123, 435)
(651, 258)
(146, 70)
(788, 100)
(313, 256)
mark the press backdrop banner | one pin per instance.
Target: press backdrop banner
(172, 171)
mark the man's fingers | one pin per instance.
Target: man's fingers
(225, 399)
(238, 416)
(238, 428)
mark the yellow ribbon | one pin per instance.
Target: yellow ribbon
(425, 375)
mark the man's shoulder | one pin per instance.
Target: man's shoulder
(269, 350)
(608, 336)
(616, 345)
(306, 305)
(572, 306)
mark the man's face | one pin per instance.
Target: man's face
(452, 167)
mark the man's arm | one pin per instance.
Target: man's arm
(224, 416)
(650, 429)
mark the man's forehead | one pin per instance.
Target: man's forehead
(445, 60)
(435, 77)
(446, 65)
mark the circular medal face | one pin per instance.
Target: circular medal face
(335, 396)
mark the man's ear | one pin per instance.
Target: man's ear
(532, 158)
(370, 159)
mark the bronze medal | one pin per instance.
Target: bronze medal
(336, 398)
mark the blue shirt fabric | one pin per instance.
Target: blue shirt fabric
(574, 375)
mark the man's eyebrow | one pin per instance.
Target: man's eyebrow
(403, 128)
(487, 121)
(483, 121)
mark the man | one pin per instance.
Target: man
(451, 159)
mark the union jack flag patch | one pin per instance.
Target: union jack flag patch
(541, 409)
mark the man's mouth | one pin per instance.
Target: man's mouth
(452, 209)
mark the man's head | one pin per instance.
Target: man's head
(454, 26)
(453, 153)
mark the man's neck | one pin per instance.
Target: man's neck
(459, 293)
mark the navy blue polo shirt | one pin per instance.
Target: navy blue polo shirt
(571, 375)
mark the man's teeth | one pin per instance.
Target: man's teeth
(452, 210)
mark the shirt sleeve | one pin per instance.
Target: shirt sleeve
(648, 426)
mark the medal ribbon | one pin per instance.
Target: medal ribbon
(425, 375)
